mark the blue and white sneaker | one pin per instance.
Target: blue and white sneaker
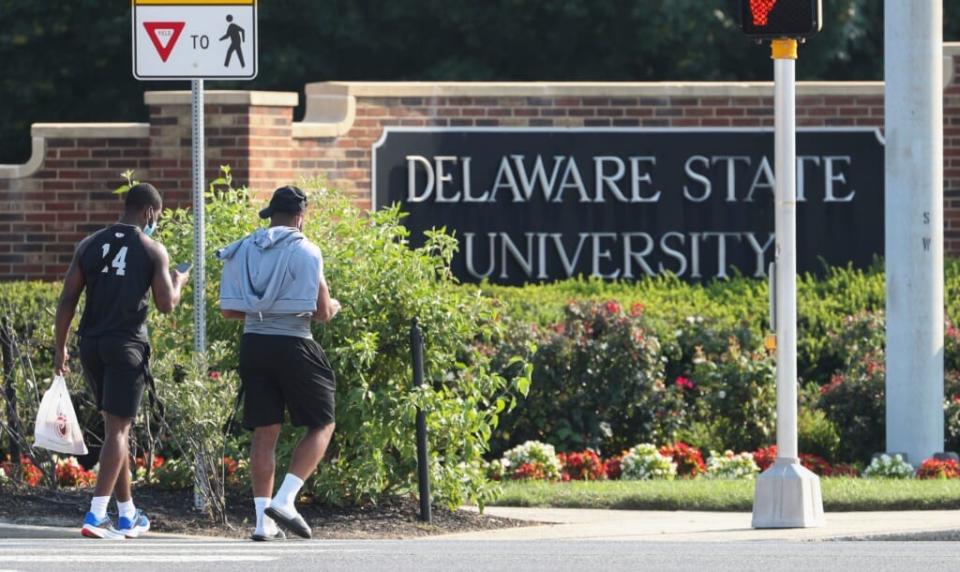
(133, 527)
(94, 527)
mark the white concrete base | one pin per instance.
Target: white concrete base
(787, 496)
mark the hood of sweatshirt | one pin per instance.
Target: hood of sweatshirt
(264, 259)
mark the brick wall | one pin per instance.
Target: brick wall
(63, 192)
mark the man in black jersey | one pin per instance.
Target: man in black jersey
(117, 267)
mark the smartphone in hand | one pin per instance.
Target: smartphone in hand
(184, 267)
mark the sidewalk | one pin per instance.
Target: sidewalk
(592, 524)
(29, 531)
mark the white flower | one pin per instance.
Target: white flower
(644, 462)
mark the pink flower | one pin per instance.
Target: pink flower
(683, 383)
(215, 375)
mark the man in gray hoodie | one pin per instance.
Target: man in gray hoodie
(273, 280)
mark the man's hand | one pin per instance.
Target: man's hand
(179, 278)
(335, 307)
(60, 358)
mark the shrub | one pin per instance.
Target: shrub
(817, 435)
(887, 467)
(737, 396)
(731, 466)
(583, 466)
(533, 460)
(765, 456)
(854, 399)
(816, 464)
(175, 474)
(598, 382)
(644, 462)
(938, 469)
(689, 460)
(383, 284)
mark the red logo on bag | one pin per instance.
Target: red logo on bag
(62, 425)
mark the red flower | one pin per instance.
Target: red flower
(689, 459)
(845, 471)
(816, 464)
(612, 467)
(612, 307)
(636, 309)
(529, 471)
(938, 469)
(583, 466)
(835, 382)
(215, 375)
(230, 466)
(765, 456)
(683, 383)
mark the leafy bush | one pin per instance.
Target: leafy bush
(533, 459)
(644, 462)
(887, 467)
(598, 382)
(817, 435)
(854, 398)
(731, 466)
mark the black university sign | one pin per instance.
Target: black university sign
(531, 204)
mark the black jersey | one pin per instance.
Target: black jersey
(118, 272)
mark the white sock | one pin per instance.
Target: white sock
(265, 525)
(98, 506)
(126, 509)
(287, 494)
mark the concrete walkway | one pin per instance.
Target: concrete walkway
(590, 524)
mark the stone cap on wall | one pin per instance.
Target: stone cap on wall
(225, 97)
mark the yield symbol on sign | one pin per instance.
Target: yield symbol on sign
(164, 36)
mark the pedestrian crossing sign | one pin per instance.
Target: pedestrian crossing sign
(194, 39)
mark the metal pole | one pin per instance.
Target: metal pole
(913, 127)
(785, 137)
(199, 228)
(199, 270)
(423, 466)
(787, 494)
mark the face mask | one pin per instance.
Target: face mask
(150, 228)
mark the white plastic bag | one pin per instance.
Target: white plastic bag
(57, 428)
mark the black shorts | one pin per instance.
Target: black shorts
(285, 372)
(116, 370)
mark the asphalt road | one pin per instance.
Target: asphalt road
(513, 556)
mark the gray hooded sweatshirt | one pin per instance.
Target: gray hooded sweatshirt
(273, 276)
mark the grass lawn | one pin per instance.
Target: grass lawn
(839, 494)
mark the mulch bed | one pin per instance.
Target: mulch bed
(172, 511)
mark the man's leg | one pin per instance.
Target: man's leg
(113, 455)
(263, 464)
(306, 457)
(310, 450)
(122, 491)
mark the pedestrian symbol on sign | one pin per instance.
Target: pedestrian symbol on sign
(237, 36)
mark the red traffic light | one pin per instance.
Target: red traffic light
(780, 18)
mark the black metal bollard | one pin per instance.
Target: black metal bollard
(6, 348)
(423, 465)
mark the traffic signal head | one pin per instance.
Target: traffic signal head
(780, 18)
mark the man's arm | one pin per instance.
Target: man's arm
(233, 314)
(327, 307)
(167, 282)
(73, 285)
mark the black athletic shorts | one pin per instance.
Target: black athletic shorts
(285, 372)
(116, 370)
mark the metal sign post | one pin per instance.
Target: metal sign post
(195, 40)
(787, 494)
(199, 222)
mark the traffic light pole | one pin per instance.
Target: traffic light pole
(787, 494)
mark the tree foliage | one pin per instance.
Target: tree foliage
(74, 63)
